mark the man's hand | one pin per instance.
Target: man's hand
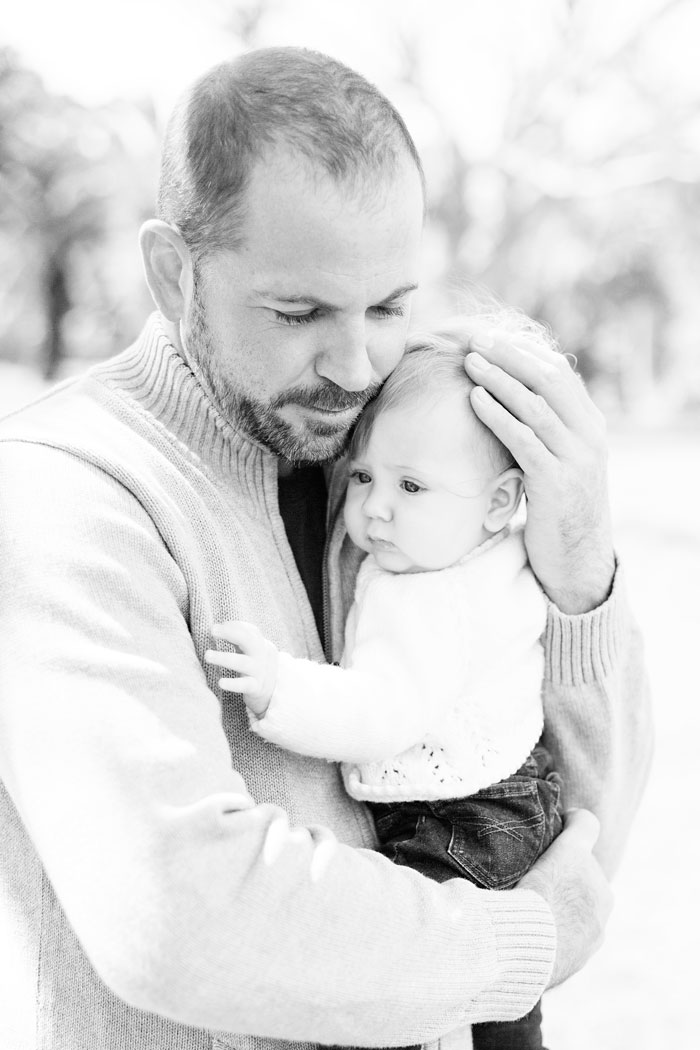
(255, 663)
(532, 399)
(573, 884)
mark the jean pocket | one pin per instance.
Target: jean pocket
(498, 834)
(394, 821)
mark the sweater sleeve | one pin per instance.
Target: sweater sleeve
(394, 680)
(598, 714)
(189, 900)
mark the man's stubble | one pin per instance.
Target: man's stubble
(316, 441)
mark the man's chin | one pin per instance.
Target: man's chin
(313, 438)
(297, 435)
(314, 449)
(314, 421)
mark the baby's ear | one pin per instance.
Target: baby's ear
(506, 492)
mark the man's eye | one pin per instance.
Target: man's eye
(411, 487)
(387, 310)
(360, 477)
(294, 319)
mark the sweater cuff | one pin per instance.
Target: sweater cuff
(525, 938)
(290, 717)
(583, 649)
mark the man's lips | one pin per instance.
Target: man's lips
(326, 399)
(354, 409)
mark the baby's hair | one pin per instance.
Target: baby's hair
(433, 364)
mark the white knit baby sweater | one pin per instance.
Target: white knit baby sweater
(439, 692)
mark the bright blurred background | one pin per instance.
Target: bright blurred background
(561, 140)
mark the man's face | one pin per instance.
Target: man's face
(295, 330)
(418, 494)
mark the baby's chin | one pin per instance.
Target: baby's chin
(392, 559)
(397, 561)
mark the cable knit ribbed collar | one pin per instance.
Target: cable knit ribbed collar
(154, 374)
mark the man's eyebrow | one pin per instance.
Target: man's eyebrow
(398, 293)
(321, 304)
(281, 297)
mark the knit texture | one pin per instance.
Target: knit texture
(134, 882)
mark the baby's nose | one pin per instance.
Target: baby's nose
(377, 506)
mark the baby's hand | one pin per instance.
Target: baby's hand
(255, 663)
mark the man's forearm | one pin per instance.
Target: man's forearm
(193, 904)
(578, 592)
(598, 714)
(304, 939)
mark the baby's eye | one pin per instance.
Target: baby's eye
(360, 477)
(411, 487)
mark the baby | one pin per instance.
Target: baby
(435, 711)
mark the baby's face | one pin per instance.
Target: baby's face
(417, 496)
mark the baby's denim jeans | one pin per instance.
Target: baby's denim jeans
(491, 838)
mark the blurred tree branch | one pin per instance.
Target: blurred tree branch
(590, 153)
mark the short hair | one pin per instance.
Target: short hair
(433, 364)
(313, 104)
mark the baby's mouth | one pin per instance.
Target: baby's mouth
(380, 544)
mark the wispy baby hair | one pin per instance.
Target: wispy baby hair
(433, 364)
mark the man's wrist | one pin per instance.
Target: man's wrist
(525, 941)
(585, 590)
(582, 648)
(578, 600)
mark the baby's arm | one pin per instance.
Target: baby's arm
(344, 714)
(382, 703)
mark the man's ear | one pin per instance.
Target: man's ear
(168, 266)
(506, 491)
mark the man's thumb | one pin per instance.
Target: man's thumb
(584, 824)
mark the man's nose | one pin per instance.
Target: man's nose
(345, 358)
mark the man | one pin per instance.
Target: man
(165, 872)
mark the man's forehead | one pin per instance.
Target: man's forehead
(292, 196)
(299, 244)
(361, 179)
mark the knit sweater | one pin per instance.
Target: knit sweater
(143, 902)
(439, 690)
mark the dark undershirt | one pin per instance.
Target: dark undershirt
(302, 501)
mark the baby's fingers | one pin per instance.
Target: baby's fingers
(246, 686)
(238, 662)
(237, 632)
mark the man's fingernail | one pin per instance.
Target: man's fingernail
(482, 341)
(477, 362)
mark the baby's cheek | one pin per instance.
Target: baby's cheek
(352, 514)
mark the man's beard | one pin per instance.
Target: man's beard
(313, 440)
